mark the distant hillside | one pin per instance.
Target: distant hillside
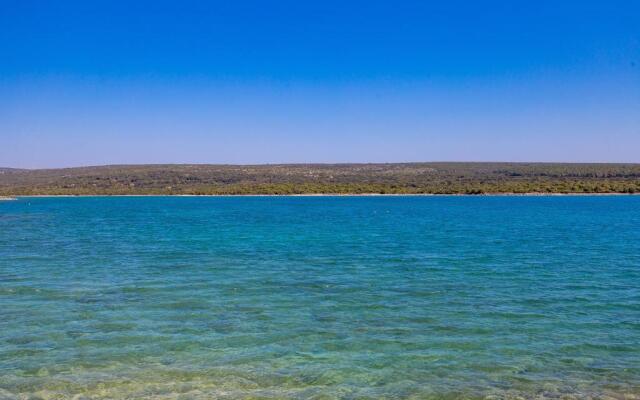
(9, 170)
(440, 178)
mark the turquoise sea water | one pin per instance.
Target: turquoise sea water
(320, 297)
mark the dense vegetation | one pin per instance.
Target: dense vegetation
(437, 178)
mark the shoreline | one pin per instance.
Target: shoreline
(531, 194)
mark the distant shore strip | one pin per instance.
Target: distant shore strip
(533, 194)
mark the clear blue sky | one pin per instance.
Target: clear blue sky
(103, 82)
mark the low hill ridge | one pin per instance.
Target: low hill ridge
(395, 178)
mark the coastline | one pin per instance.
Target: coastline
(395, 179)
(531, 194)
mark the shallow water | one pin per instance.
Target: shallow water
(320, 297)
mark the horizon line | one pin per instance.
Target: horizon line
(320, 164)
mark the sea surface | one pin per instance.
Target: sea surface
(320, 297)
